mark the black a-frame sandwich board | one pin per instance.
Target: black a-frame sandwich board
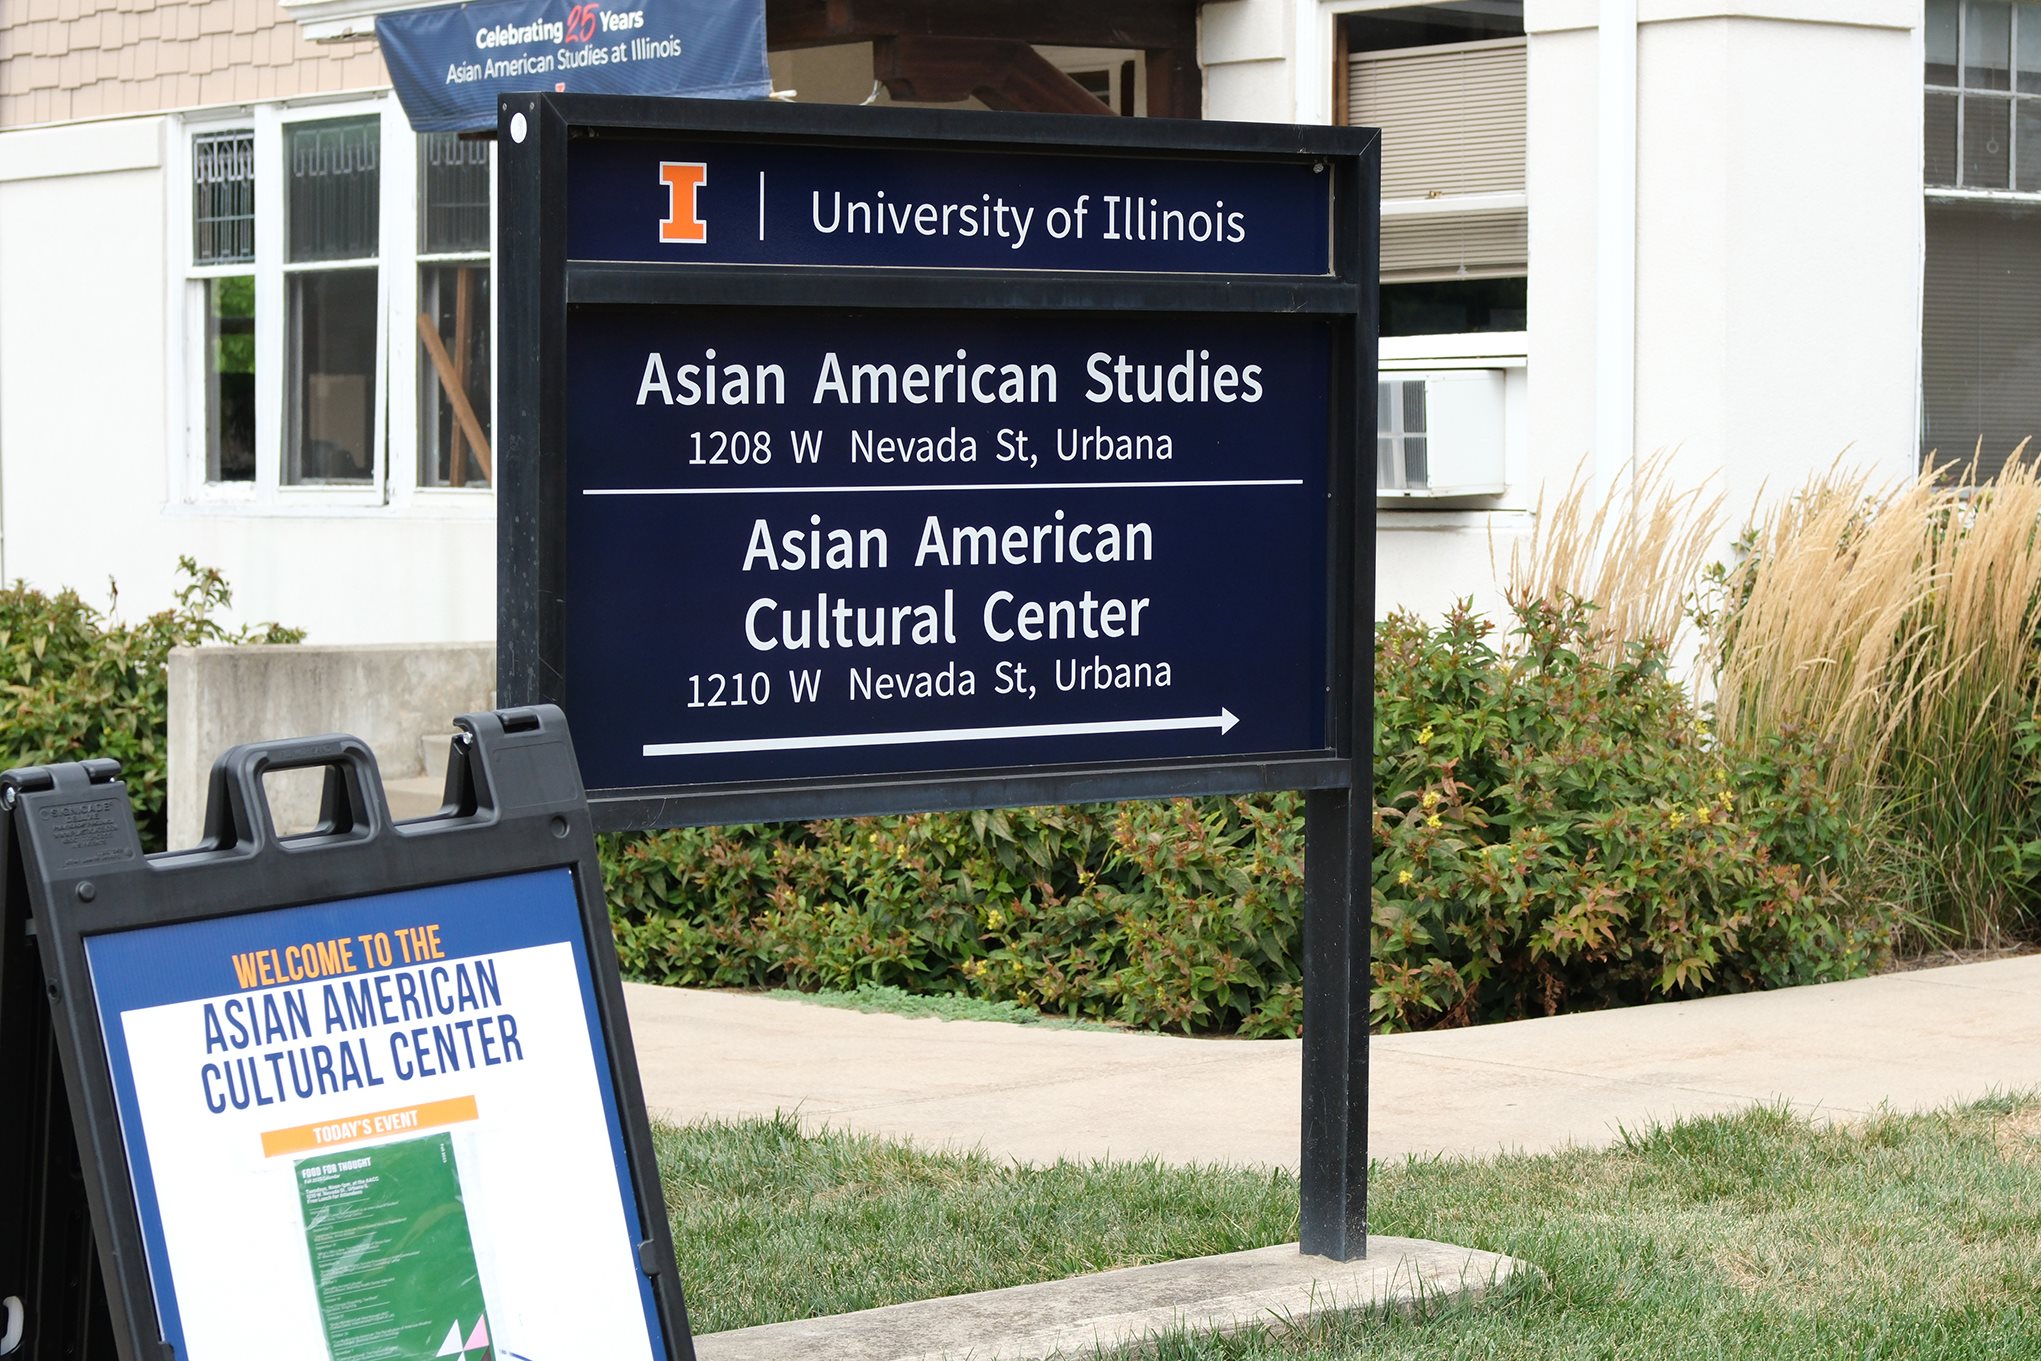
(141, 1202)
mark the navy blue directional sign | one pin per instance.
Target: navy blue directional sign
(853, 463)
(918, 541)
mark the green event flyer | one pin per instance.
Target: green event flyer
(391, 1253)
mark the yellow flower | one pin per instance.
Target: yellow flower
(1675, 817)
(1431, 799)
(994, 919)
(1403, 876)
(1424, 734)
(1432, 821)
(1727, 799)
(1701, 814)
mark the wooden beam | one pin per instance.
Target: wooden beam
(999, 73)
(1176, 87)
(1141, 24)
(464, 410)
(464, 292)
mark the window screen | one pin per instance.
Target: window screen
(1981, 332)
(223, 198)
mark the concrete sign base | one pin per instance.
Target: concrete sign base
(1086, 1314)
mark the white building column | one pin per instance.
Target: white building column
(1615, 287)
(1776, 235)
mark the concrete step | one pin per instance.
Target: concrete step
(415, 796)
(435, 749)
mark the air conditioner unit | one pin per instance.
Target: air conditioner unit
(1439, 434)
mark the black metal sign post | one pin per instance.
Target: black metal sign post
(282, 1060)
(861, 461)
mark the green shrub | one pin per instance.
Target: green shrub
(1554, 833)
(75, 683)
(1179, 916)
(1551, 832)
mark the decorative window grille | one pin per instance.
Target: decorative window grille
(223, 198)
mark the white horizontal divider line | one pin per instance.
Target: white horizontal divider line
(938, 486)
(1223, 721)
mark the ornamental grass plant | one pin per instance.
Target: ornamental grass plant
(1636, 552)
(1902, 625)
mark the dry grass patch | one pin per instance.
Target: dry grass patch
(2017, 1135)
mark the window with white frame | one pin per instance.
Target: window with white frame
(1445, 84)
(453, 318)
(1981, 287)
(337, 304)
(333, 315)
(1984, 96)
(223, 266)
(1113, 83)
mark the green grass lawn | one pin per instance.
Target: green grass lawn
(1756, 1235)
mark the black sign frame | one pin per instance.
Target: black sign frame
(74, 860)
(537, 285)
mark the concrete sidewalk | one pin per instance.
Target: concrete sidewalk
(1907, 1040)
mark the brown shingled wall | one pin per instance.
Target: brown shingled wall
(71, 59)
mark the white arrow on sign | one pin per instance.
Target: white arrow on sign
(1223, 721)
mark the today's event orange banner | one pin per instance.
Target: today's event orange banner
(375, 1125)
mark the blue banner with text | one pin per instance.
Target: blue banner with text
(450, 63)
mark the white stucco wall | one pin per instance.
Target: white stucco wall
(1247, 49)
(86, 438)
(1778, 237)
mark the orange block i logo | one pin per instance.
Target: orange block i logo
(683, 220)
